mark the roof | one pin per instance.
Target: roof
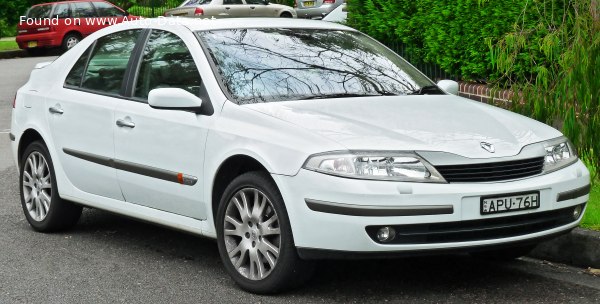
(198, 24)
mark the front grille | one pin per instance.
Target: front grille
(476, 230)
(491, 172)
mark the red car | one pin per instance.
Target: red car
(64, 24)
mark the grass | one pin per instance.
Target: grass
(8, 46)
(591, 220)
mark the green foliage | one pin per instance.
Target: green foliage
(562, 86)
(453, 34)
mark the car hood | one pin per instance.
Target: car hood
(445, 123)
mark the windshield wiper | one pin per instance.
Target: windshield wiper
(430, 89)
(347, 95)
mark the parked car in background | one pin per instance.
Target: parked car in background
(231, 9)
(64, 24)
(316, 9)
(339, 15)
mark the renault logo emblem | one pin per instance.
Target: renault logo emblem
(488, 147)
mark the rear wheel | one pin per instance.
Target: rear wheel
(286, 15)
(504, 254)
(255, 239)
(70, 41)
(44, 209)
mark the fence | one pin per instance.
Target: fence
(432, 70)
(153, 8)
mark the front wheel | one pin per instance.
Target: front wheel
(255, 239)
(44, 209)
(286, 15)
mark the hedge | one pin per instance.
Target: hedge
(454, 34)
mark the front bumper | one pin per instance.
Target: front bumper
(416, 204)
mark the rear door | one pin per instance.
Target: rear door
(81, 114)
(234, 8)
(84, 15)
(257, 8)
(160, 153)
(108, 14)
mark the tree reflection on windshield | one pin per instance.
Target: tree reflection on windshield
(265, 65)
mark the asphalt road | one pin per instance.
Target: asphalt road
(112, 259)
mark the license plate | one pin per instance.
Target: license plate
(510, 203)
(32, 44)
(308, 3)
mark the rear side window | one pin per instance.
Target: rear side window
(39, 12)
(107, 10)
(232, 2)
(61, 11)
(108, 62)
(166, 63)
(74, 77)
(82, 10)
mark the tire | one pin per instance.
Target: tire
(286, 15)
(69, 41)
(504, 254)
(44, 209)
(288, 270)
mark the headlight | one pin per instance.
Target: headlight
(559, 154)
(401, 166)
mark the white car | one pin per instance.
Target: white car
(231, 9)
(287, 141)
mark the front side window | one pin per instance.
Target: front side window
(108, 63)
(166, 63)
(107, 10)
(61, 11)
(82, 10)
(266, 65)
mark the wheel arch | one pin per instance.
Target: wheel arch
(229, 169)
(30, 135)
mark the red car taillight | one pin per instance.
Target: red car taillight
(15, 102)
(199, 11)
(328, 1)
(296, 4)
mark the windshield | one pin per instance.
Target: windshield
(39, 12)
(266, 65)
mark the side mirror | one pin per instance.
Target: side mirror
(266, 2)
(449, 86)
(174, 99)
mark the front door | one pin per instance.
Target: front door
(160, 153)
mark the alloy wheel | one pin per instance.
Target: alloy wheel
(37, 186)
(252, 234)
(71, 42)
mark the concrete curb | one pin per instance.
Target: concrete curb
(13, 54)
(581, 247)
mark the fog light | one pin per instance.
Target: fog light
(577, 212)
(386, 234)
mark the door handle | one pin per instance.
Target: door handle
(125, 123)
(252, 7)
(228, 8)
(56, 110)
